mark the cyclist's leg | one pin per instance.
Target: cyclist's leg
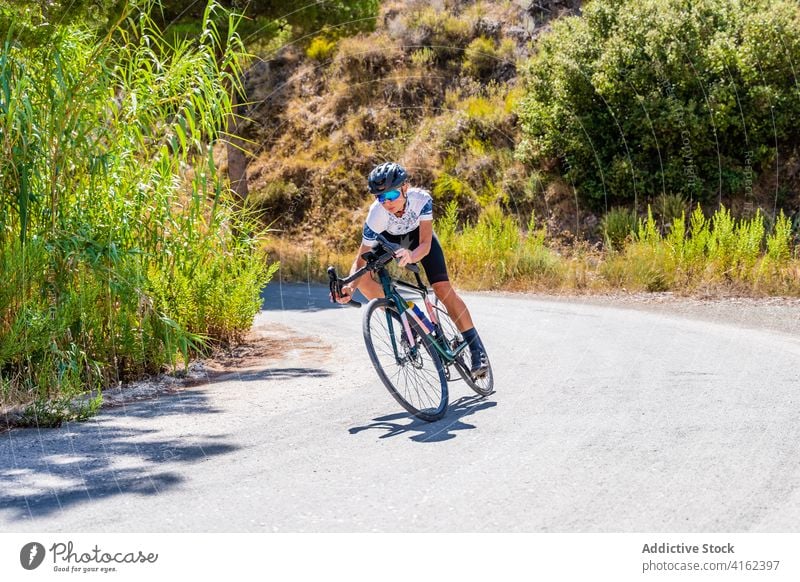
(369, 287)
(454, 304)
(436, 270)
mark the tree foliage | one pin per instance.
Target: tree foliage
(35, 21)
(306, 16)
(640, 97)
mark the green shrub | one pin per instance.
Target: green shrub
(446, 33)
(280, 199)
(648, 232)
(480, 57)
(507, 51)
(363, 58)
(422, 58)
(447, 188)
(779, 241)
(479, 108)
(617, 226)
(668, 207)
(653, 95)
(447, 225)
(320, 48)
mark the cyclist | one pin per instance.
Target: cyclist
(404, 215)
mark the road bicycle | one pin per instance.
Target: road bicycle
(414, 354)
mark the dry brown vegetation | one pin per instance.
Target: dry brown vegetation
(433, 87)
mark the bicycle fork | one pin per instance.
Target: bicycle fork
(407, 333)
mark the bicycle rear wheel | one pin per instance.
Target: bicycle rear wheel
(414, 375)
(483, 385)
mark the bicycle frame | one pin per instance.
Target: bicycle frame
(390, 292)
(407, 345)
(377, 264)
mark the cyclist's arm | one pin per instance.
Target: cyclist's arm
(425, 239)
(357, 264)
(360, 262)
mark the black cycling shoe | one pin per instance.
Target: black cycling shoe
(480, 365)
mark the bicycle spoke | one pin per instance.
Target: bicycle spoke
(424, 385)
(415, 378)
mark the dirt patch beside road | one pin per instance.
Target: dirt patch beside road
(263, 347)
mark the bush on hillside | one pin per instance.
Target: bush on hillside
(445, 32)
(647, 96)
(321, 48)
(366, 58)
(617, 226)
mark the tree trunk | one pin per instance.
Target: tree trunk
(236, 148)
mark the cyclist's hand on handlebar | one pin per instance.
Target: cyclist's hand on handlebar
(345, 297)
(403, 257)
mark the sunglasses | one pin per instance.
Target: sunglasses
(388, 196)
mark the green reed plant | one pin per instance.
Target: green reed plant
(120, 244)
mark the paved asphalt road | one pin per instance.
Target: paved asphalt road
(604, 420)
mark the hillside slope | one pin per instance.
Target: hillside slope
(434, 86)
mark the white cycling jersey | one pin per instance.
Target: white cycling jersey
(419, 207)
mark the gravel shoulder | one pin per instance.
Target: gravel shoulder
(776, 314)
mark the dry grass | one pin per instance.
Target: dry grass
(711, 256)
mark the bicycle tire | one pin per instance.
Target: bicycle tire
(482, 386)
(426, 396)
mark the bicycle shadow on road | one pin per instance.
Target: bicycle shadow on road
(426, 432)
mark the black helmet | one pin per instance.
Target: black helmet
(385, 177)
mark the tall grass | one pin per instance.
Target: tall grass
(709, 253)
(494, 251)
(698, 254)
(120, 248)
(702, 254)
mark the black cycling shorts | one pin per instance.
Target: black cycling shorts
(433, 262)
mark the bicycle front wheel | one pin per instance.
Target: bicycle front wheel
(414, 375)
